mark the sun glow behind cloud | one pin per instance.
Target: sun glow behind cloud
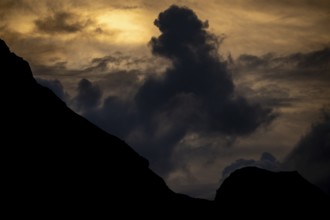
(127, 27)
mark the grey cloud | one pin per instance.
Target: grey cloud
(314, 65)
(55, 69)
(88, 97)
(117, 61)
(252, 61)
(115, 116)
(311, 155)
(317, 59)
(115, 75)
(121, 83)
(284, 81)
(197, 71)
(107, 65)
(61, 22)
(270, 95)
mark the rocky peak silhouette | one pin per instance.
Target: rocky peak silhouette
(56, 163)
(259, 191)
(21, 73)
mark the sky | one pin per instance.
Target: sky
(199, 89)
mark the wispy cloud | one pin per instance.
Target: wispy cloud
(61, 22)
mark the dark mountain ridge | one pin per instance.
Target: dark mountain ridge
(56, 163)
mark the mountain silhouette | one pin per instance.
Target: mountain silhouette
(256, 191)
(57, 163)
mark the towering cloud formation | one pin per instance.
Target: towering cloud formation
(195, 94)
(197, 76)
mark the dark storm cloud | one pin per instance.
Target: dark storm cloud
(61, 22)
(311, 156)
(195, 94)
(197, 72)
(88, 96)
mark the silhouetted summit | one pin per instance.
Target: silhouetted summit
(56, 163)
(4, 48)
(251, 189)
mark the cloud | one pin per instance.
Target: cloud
(267, 161)
(297, 4)
(298, 84)
(311, 155)
(198, 73)
(88, 96)
(56, 86)
(314, 65)
(194, 94)
(7, 7)
(287, 81)
(61, 22)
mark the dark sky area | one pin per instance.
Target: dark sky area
(199, 88)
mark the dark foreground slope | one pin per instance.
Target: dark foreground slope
(56, 163)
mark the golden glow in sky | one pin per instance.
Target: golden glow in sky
(251, 26)
(126, 27)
